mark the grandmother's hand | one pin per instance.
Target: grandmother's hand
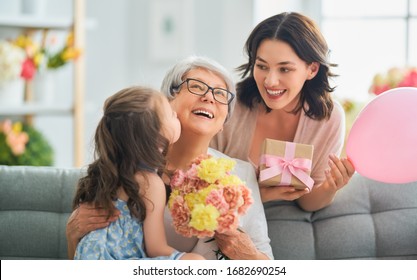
(84, 219)
(237, 245)
(87, 218)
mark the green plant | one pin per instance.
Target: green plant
(37, 151)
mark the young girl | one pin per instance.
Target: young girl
(201, 117)
(131, 140)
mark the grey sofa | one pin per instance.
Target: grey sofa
(368, 220)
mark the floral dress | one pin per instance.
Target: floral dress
(121, 240)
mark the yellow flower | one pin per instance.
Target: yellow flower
(172, 197)
(17, 127)
(204, 192)
(70, 39)
(192, 199)
(23, 41)
(231, 180)
(204, 217)
(227, 164)
(212, 169)
(38, 58)
(70, 53)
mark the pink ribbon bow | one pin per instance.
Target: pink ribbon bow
(287, 166)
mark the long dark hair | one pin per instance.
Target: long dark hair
(304, 37)
(127, 141)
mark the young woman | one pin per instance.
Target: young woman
(285, 95)
(131, 138)
(201, 93)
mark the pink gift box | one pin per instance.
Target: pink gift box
(285, 163)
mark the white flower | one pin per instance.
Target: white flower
(11, 60)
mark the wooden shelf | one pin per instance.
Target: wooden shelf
(76, 24)
(28, 22)
(36, 109)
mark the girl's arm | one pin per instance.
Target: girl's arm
(154, 194)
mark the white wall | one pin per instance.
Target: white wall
(118, 50)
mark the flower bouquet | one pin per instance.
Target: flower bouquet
(13, 63)
(395, 77)
(41, 55)
(206, 198)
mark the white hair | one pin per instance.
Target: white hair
(174, 77)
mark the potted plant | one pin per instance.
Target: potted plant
(22, 144)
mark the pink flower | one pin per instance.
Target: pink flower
(17, 142)
(177, 179)
(6, 126)
(180, 212)
(233, 197)
(216, 198)
(227, 222)
(247, 197)
(410, 80)
(16, 139)
(28, 69)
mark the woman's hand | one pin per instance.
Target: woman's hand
(84, 219)
(237, 245)
(339, 174)
(288, 193)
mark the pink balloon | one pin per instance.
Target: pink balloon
(382, 144)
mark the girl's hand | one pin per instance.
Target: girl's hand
(237, 245)
(288, 193)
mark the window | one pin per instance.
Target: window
(367, 37)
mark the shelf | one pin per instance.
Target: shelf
(35, 23)
(36, 109)
(75, 23)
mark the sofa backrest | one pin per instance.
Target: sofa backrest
(35, 203)
(367, 220)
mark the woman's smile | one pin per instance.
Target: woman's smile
(275, 93)
(203, 112)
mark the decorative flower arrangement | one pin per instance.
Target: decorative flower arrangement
(12, 62)
(43, 58)
(21, 144)
(23, 57)
(206, 198)
(395, 77)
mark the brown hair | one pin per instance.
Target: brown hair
(305, 38)
(127, 141)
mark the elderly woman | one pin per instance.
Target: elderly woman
(201, 93)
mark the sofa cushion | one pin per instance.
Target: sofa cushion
(35, 203)
(367, 220)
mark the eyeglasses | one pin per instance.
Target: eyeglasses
(200, 88)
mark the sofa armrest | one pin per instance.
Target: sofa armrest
(35, 203)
